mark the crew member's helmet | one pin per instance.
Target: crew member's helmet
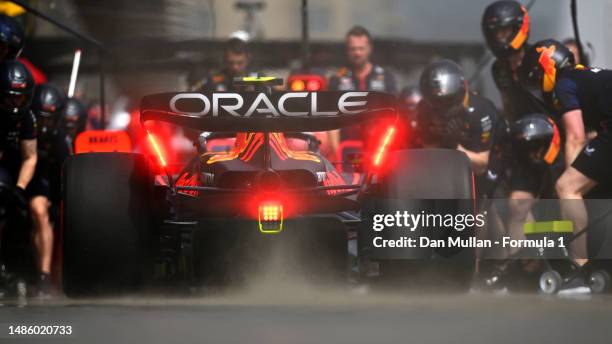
(443, 85)
(11, 38)
(74, 116)
(542, 62)
(505, 26)
(16, 88)
(47, 103)
(536, 137)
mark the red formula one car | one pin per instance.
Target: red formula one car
(129, 219)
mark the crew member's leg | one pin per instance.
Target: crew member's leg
(43, 232)
(524, 185)
(571, 188)
(592, 166)
(39, 193)
(520, 205)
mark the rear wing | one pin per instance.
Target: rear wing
(276, 112)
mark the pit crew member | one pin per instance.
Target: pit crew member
(18, 147)
(53, 147)
(505, 26)
(236, 60)
(73, 119)
(360, 74)
(451, 116)
(581, 97)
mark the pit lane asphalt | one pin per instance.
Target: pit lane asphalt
(322, 317)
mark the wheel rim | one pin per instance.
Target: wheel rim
(598, 282)
(549, 283)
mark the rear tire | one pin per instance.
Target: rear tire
(107, 232)
(425, 179)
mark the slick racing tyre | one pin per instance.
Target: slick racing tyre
(437, 181)
(107, 236)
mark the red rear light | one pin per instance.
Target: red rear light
(313, 85)
(298, 85)
(157, 149)
(306, 82)
(378, 158)
(270, 216)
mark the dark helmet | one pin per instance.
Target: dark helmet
(537, 138)
(47, 103)
(11, 37)
(505, 25)
(443, 84)
(542, 61)
(16, 86)
(48, 100)
(74, 115)
(409, 98)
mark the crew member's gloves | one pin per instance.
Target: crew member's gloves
(20, 194)
(456, 130)
(437, 129)
(21, 201)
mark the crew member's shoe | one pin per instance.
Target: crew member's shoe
(7, 283)
(45, 286)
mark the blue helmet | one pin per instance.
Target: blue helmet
(11, 37)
